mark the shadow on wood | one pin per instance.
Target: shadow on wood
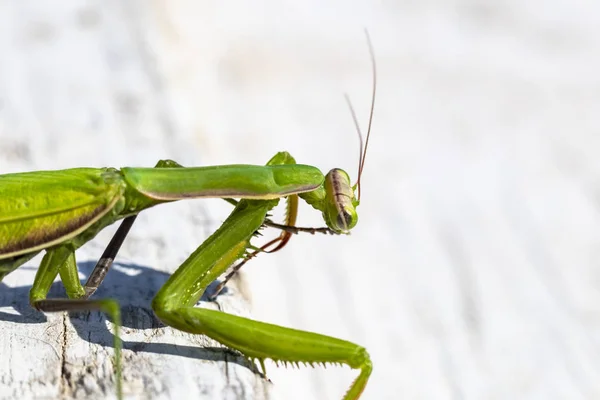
(144, 336)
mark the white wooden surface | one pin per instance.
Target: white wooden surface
(474, 270)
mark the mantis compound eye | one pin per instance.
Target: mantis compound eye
(340, 213)
(346, 221)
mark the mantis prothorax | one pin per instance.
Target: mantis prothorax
(59, 211)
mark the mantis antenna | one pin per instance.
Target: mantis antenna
(363, 151)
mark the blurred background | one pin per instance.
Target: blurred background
(473, 272)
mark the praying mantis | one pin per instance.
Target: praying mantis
(59, 211)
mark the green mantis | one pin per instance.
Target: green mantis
(58, 211)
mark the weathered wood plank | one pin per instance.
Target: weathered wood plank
(473, 270)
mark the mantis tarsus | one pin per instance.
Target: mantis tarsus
(59, 211)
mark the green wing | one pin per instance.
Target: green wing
(43, 208)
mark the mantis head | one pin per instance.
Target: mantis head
(340, 206)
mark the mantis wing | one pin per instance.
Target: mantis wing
(43, 208)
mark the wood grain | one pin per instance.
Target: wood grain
(473, 271)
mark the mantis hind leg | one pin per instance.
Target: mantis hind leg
(174, 305)
(61, 260)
